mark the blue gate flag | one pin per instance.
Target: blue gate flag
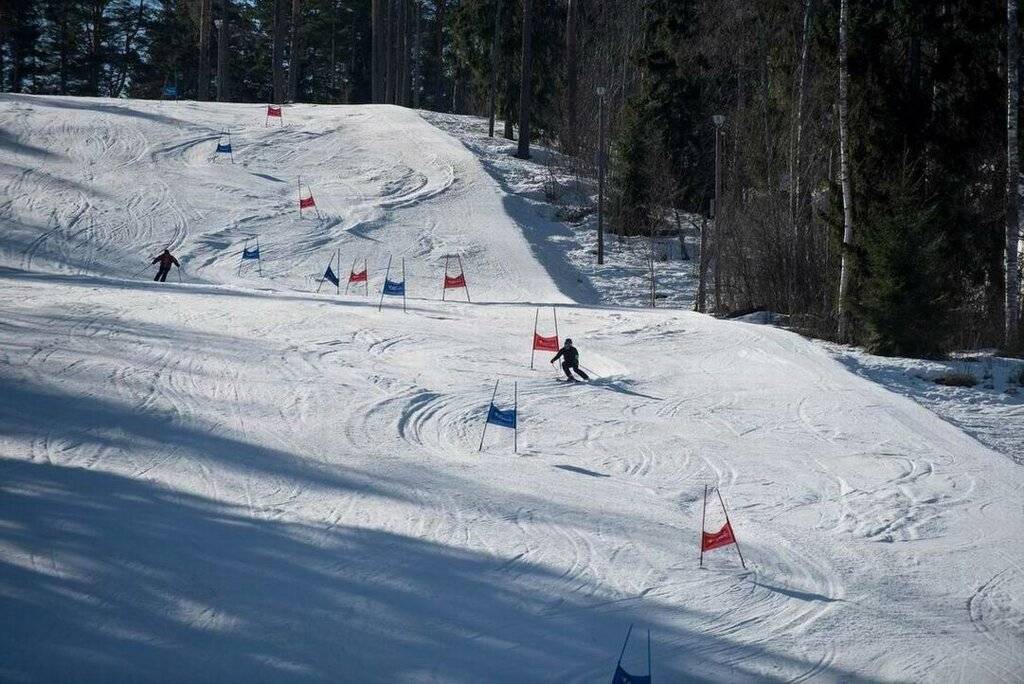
(170, 91)
(623, 677)
(226, 149)
(393, 288)
(330, 277)
(250, 253)
(506, 418)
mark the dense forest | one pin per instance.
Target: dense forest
(865, 147)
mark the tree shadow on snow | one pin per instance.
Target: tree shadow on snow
(108, 578)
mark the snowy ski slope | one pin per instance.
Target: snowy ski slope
(235, 479)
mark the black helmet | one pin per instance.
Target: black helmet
(568, 341)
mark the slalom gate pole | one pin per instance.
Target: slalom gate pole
(533, 340)
(703, 515)
(554, 312)
(367, 281)
(232, 149)
(484, 434)
(337, 275)
(464, 281)
(259, 257)
(241, 259)
(624, 644)
(515, 409)
(298, 182)
(322, 276)
(444, 283)
(179, 274)
(386, 274)
(649, 672)
(404, 286)
(735, 541)
(348, 281)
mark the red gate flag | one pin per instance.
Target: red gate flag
(306, 202)
(714, 540)
(274, 111)
(454, 282)
(354, 277)
(542, 343)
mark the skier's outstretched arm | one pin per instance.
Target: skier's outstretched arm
(557, 356)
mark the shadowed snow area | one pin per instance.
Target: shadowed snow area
(237, 479)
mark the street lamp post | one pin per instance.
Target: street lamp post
(600, 90)
(718, 120)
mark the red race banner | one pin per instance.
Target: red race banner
(545, 343)
(357, 277)
(454, 282)
(306, 202)
(273, 111)
(714, 540)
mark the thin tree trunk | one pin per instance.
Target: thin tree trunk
(1013, 238)
(278, 55)
(223, 89)
(95, 56)
(295, 52)
(571, 20)
(510, 98)
(526, 82)
(389, 52)
(493, 94)
(795, 166)
(417, 81)
(844, 171)
(129, 36)
(377, 65)
(203, 78)
(403, 93)
(441, 6)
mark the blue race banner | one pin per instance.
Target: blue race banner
(330, 277)
(226, 149)
(506, 418)
(393, 288)
(250, 253)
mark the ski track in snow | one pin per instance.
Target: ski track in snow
(234, 479)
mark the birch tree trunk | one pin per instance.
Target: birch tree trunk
(844, 170)
(1013, 237)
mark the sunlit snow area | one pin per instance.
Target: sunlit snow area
(236, 478)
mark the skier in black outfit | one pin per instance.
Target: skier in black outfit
(570, 360)
(166, 260)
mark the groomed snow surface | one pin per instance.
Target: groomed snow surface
(236, 479)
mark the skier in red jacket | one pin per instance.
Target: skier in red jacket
(166, 260)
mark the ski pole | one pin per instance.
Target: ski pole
(139, 272)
